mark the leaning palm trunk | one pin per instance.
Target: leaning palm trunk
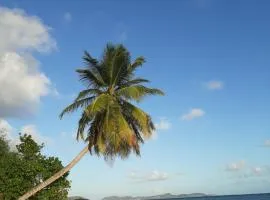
(55, 176)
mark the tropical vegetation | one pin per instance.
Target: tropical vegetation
(24, 167)
(111, 122)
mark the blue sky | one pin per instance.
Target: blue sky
(210, 57)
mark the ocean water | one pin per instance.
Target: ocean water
(233, 197)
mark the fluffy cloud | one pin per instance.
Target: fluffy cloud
(193, 113)
(67, 17)
(163, 124)
(154, 175)
(5, 127)
(236, 166)
(20, 31)
(22, 84)
(12, 136)
(214, 85)
(7, 130)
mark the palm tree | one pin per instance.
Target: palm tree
(112, 124)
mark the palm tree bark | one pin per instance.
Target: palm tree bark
(55, 176)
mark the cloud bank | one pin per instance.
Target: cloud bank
(11, 133)
(22, 84)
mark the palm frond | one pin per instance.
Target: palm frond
(135, 126)
(137, 92)
(137, 81)
(118, 64)
(128, 82)
(137, 63)
(92, 77)
(87, 92)
(107, 60)
(95, 133)
(89, 60)
(77, 104)
(141, 119)
(99, 104)
(83, 122)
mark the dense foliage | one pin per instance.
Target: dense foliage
(26, 167)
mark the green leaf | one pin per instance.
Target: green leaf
(137, 92)
(91, 76)
(82, 103)
(87, 92)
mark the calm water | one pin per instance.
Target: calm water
(234, 197)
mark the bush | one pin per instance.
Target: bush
(23, 169)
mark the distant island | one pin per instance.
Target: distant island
(161, 196)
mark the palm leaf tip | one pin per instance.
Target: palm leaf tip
(61, 115)
(89, 60)
(139, 61)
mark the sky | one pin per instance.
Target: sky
(210, 57)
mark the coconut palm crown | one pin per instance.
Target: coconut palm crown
(114, 126)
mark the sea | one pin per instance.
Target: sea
(232, 197)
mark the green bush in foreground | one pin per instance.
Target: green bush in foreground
(23, 169)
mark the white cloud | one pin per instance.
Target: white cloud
(32, 130)
(22, 84)
(261, 171)
(236, 166)
(7, 131)
(257, 170)
(214, 85)
(67, 17)
(163, 124)
(267, 143)
(12, 136)
(154, 175)
(154, 135)
(5, 127)
(19, 31)
(193, 113)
